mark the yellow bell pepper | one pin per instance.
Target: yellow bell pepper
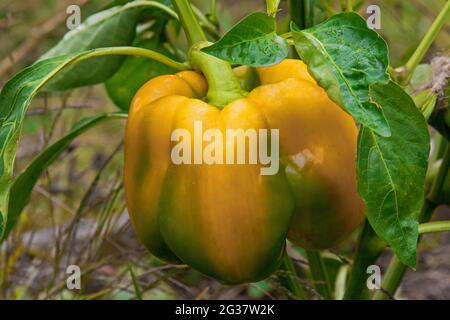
(229, 221)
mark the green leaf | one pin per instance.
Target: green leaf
(252, 42)
(391, 171)
(134, 72)
(14, 101)
(346, 57)
(20, 90)
(108, 28)
(23, 185)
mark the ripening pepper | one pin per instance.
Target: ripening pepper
(229, 221)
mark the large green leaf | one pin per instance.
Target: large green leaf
(253, 42)
(391, 170)
(112, 27)
(23, 185)
(134, 72)
(346, 57)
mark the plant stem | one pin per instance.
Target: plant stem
(192, 28)
(370, 246)
(297, 11)
(319, 274)
(391, 279)
(434, 227)
(223, 85)
(272, 7)
(291, 282)
(396, 269)
(209, 27)
(426, 42)
(144, 3)
(139, 52)
(213, 15)
(341, 280)
(349, 5)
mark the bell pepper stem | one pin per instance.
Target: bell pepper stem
(369, 248)
(191, 26)
(319, 274)
(223, 85)
(396, 269)
(290, 279)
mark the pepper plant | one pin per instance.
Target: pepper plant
(354, 139)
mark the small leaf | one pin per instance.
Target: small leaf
(134, 72)
(108, 28)
(391, 171)
(346, 57)
(252, 42)
(23, 185)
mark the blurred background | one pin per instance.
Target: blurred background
(77, 214)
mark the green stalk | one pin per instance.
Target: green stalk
(349, 5)
(426, 42)
(192, 28)
(209, 27)
(272, 7)
(341, 280)
(155, 4)
(213, 15)
(139, 52)
(391, 279)
(223, 85)
(370, 246)
(290, 279)
(434, 227)
(302, 12)
(319, 274)
(297, 9)
(396, 270)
